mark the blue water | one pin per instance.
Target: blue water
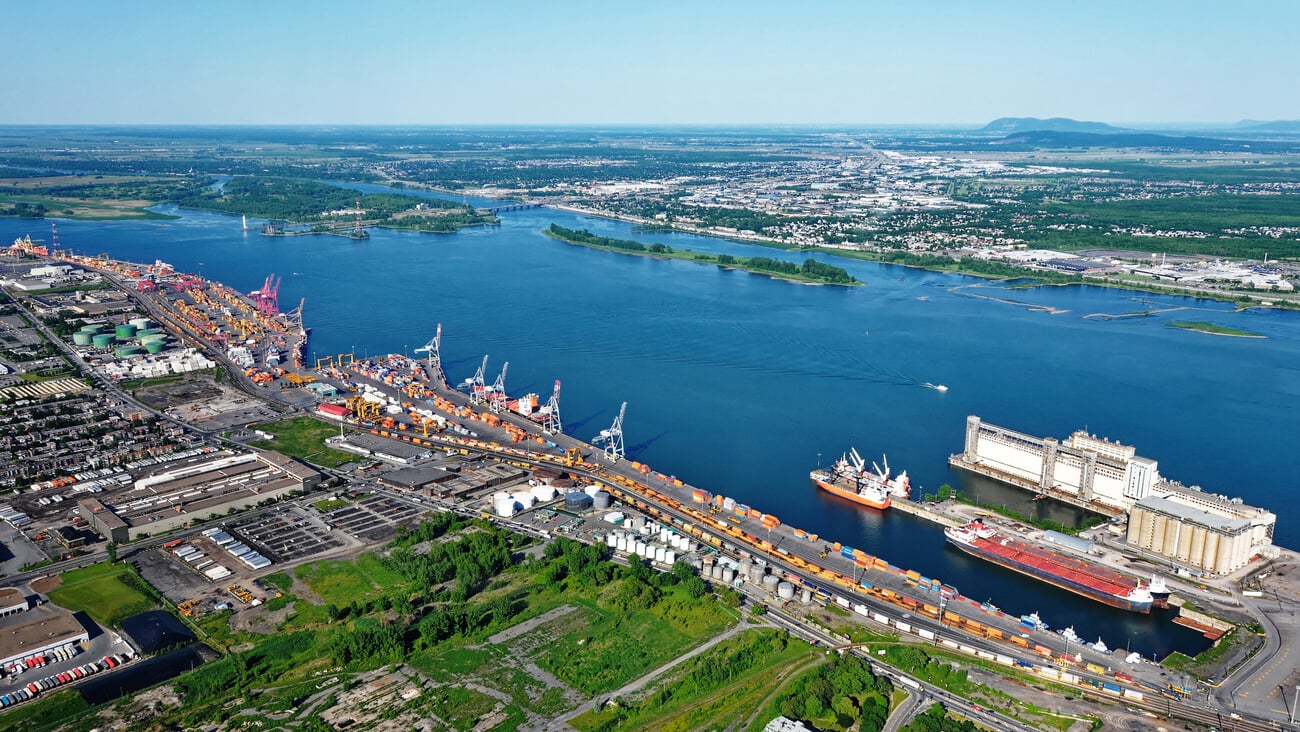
(739, 383)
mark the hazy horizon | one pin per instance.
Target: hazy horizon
(571, 63)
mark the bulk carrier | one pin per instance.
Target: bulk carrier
(849, 478)
(1077, 575)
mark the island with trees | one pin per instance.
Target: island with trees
(810, 272)
(313, 208)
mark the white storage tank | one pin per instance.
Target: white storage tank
(592, 490)
(729, 575)
(622, 544)
(716, 572)
(525, 500)
(506, 508)
(611, 540)
(805, 597)
(785, 591)
(602, 499)
(543, 493)
(770, 582)
(670, 557)
(746, 569)
(660, 553)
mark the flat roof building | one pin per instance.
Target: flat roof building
(415, 479)
(37, 631)
(12, 601)
(197, 489)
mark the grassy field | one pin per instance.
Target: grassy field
(679, 703)
(330, 504)
(100, 591)
(304, 437)
(462, 708)
(133, 384)
(1222, 330)
(602, 649)
(53, 712)
(341, 582)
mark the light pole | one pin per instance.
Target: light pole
(1294, 702)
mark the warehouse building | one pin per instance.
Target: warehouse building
(12, 602)
(37, 631)
(197, 489)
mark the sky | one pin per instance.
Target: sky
(418, 62)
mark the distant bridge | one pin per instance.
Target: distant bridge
(512, 207)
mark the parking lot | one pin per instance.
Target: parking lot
(285, 535)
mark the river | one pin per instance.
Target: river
(741, 384)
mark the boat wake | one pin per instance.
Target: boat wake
(937, 387)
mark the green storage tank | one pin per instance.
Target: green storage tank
(147, 331)
(153, 338)
(125, 351)
(125, 331)
(82, 338)
(92, 329)
(155, 346)
(102, 340)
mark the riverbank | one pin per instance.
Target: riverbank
(810, 273)
(951, 266)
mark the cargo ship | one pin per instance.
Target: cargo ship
(849, 478)
(1076, 575)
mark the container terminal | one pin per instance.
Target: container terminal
(411, 401)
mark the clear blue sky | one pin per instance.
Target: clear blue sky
(617, 61)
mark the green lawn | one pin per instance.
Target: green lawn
(100, 591)
(304, 437)
(340, 582)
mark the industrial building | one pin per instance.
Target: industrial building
(195, 489)
(12, 602)
(1095, 472)
(37, 631)
(380, 448)
(417, 479)
(1201, 531)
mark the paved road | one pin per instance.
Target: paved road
(904, 712)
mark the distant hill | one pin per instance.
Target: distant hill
(1046, 138)
(1278, 125)
(1012, 125)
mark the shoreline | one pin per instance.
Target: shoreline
(867, 256)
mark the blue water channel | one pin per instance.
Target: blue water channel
(741, 384)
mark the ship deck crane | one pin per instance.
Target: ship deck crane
(433, 348)
(551, 423)
(612, 438)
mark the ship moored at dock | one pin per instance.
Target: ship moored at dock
(1076, 575)
(849, 478)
